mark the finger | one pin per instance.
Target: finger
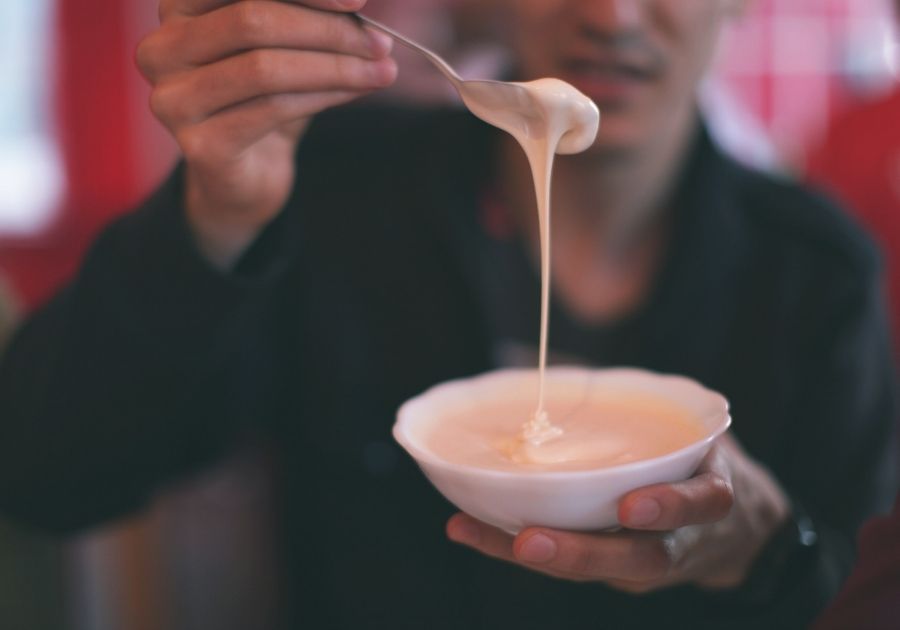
(496, 543)
(252, 24)
(717, 459)
(706, 497)
(171, 8)
(632, 556)
(230, 132)
(464, 529)
(193, 96)
(635, 588)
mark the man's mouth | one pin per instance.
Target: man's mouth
(608, 81)
(612, 73)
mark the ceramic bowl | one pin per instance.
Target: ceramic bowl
(575, 500)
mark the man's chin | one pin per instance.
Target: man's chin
(617, 139)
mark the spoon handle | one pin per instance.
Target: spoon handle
(441, 65)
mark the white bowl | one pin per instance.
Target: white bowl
(575, 500)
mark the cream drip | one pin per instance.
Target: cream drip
(554, 118)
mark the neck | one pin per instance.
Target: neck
(608, 221)
(614, 199)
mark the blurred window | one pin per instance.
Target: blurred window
(30, 173)
(794, 65)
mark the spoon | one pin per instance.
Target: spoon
(481, 96)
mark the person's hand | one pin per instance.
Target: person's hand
(705, 531)
(236, 82)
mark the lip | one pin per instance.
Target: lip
(607, 82)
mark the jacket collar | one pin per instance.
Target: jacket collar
(706, 246)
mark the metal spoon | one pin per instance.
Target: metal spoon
(482, 97)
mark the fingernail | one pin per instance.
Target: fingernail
(464, 531)
(538, 548)
(379, 43)
(643, 512)
(383, 71)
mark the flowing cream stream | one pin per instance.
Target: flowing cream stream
(560, 119)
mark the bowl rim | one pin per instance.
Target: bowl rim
(426, 457)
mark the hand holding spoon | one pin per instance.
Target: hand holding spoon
(478, 95)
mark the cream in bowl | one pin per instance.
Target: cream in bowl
(619, 429)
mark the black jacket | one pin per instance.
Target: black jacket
(360, 295)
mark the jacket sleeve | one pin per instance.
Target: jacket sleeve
(838, 462)
(126, 378)
(844, 465)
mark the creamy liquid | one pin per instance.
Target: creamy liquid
(563, 121)
(616, 430)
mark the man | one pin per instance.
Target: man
(305, 298)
